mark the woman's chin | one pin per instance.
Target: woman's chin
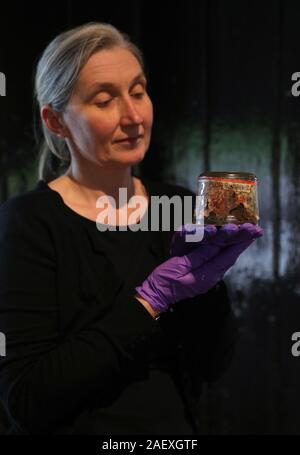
(130, 157)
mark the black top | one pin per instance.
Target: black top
(152, 405)
(84, 356)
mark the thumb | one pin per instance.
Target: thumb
(229, 255)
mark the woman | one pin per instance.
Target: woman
(108, 330)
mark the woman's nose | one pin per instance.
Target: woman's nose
(129, 113)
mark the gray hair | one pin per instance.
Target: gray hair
(56, 74)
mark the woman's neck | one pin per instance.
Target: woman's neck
(90, 186)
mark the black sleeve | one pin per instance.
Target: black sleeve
(220, 332)
(208, 332)
(45, 381)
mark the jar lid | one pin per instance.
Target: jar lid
(229, 175)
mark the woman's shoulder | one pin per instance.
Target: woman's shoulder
(26, 225)
(35, 204)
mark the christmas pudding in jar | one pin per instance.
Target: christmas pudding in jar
(227, 197)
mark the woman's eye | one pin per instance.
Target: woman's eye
(138, 94)
(104, 103)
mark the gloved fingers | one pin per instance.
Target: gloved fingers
(246, 232)
(225, 234)
(229, 234)
(255, 230)
(189, 236)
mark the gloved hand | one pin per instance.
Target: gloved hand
(189, 236)
(198, 270)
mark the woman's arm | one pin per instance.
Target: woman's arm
(46, 381)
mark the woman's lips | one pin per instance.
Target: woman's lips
(130, 139)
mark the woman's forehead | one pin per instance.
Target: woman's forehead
(110, 66)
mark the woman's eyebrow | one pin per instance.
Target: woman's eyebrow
(98, 86)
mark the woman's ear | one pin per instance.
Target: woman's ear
(53, 121)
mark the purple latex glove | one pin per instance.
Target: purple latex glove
(199, 270)
(189, 236)
(185, 238)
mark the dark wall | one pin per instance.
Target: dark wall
(220, 79)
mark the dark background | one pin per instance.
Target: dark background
(220, 79)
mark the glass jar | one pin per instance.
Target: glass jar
(227, 197)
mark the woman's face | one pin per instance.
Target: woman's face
(108, 118)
